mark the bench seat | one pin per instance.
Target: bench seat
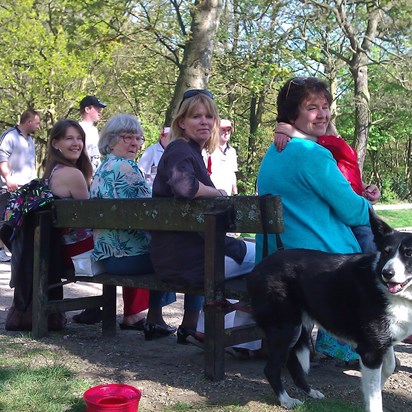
(213, 217)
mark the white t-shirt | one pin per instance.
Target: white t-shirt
(149, 161)
(224, 166)
(92, 140)
(19, 153)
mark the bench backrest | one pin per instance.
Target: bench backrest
(243, 213)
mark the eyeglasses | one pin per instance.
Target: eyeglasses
(301, 81)
(127, 138)
(194, 92)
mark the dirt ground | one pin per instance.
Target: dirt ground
(168, 374)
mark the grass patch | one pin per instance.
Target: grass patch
(46, 389)
(396, 218)
(34, 379)
(329, 405)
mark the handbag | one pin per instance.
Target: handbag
(85, 264)
(17, 320)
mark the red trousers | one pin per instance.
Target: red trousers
(135, 300)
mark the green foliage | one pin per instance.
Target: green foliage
(129, 53)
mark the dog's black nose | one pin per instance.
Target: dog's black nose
(388, 274)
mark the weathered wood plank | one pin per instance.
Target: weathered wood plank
(168, 214)
(213, 217)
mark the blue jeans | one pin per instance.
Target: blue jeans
(193, 303)
(365, 238)
(138, 265)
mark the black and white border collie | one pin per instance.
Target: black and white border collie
(365, 299)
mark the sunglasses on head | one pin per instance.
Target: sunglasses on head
(194, 92)
(300, 81)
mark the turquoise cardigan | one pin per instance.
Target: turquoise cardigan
(319, 205)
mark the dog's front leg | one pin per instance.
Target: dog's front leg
(388, 365)
(371, 387)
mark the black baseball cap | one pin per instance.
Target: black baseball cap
(91, 101)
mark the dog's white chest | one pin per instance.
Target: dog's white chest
(401, 320)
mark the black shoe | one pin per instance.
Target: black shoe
(89, 316)
(154, 331)
(183, 333)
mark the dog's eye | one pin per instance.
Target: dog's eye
(408, 253)
(386, 250)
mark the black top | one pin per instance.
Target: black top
(178, 257)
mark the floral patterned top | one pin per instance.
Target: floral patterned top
(119, 178)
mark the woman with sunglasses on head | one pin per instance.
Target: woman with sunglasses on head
(127, 251)
(319, 205)
(182, 174)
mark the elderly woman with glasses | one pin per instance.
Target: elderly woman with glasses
(178, 257)
(319, 205)
(127, 251)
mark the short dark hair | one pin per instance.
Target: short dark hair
(294, 92)
(27, 115)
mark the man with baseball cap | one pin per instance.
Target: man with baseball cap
(91, 111)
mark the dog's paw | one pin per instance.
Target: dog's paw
(287, 402)
(313, 393)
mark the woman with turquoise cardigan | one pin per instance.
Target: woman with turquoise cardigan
(319, 205)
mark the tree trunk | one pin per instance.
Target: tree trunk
(195, 68)
(362, 111)
(257, 104)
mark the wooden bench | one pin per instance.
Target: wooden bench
(213, 216)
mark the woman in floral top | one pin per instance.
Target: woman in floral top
(127, 251)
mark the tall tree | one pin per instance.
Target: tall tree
(194, 70)
(190, 46)
(361, 24)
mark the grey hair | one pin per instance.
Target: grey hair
(117, 124)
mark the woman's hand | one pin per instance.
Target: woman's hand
(280, 140)
(371, 192)
(209, 191)
(282, 135)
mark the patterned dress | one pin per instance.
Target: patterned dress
(119, 178)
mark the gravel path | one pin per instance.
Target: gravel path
(169, 374)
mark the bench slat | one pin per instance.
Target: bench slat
(167, 214)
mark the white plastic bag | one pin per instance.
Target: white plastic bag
(86, 265)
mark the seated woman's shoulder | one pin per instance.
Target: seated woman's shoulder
(68, 174)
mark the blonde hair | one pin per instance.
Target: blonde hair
(187, 108)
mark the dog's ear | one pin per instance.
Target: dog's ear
(379, 228)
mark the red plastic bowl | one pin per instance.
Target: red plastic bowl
(113, 397)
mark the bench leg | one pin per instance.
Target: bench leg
(214, 295)
(41, 275)
(214, 342)
(109, 311)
